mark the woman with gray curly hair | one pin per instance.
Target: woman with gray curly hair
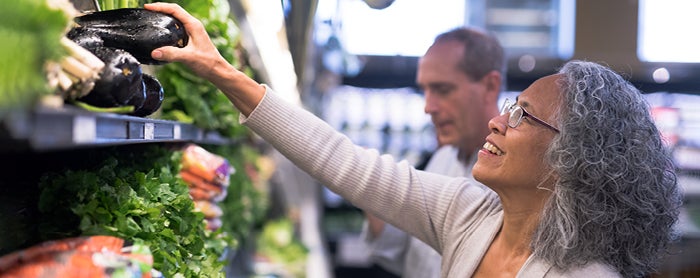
(615, 198)
(580, 182)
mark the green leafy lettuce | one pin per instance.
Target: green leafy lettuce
(136, 196)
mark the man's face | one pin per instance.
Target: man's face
(456, 104)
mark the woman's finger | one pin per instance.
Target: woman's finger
(166, 53)
(194, 26)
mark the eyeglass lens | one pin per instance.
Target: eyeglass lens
(516, 113)
(506, 106)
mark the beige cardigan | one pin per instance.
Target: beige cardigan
(449, 214)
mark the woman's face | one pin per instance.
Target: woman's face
(513, 158)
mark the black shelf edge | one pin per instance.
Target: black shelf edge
(47, 129)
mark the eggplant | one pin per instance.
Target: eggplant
(120, 82)
(136, 30)
(154, 96)
(85, 37)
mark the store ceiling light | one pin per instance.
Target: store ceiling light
(661, 75)
(379, 4)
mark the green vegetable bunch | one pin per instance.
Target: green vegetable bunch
(135, 195)
(31, 31)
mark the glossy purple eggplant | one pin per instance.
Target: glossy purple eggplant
(120, 82)
(85, 37)
(138, 31)
(154, 96)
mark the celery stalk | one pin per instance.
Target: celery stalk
(120, 109)
(106, 5)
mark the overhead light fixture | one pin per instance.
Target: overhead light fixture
(378, 4)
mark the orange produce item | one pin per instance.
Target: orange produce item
(200, 194)
(193, 180)
(209, 209)
(208, 166)
(95, 256)
(85, 244)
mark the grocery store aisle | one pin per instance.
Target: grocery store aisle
(301, 199)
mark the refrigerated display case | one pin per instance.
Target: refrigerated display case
(45, 145)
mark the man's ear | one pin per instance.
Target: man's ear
(493, 82)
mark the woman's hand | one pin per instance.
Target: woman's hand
(200, 54)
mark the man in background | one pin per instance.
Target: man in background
(461, 76)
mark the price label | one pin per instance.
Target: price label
(149, 131)
(84, 129)
(177, 132)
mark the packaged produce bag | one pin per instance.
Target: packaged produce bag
(207, 176)
(91, 256)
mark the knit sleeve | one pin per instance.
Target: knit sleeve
(414, 201)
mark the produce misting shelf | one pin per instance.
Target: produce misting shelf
(46, 129)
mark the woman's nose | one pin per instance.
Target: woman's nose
(499, 124)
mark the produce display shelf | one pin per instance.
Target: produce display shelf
(46, 128)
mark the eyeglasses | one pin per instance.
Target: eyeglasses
(517, 113)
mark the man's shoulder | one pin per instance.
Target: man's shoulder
(441, 159)
(448, 151)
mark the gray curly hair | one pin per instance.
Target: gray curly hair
(616, 200)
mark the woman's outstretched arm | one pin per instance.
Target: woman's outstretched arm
(412, 200)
